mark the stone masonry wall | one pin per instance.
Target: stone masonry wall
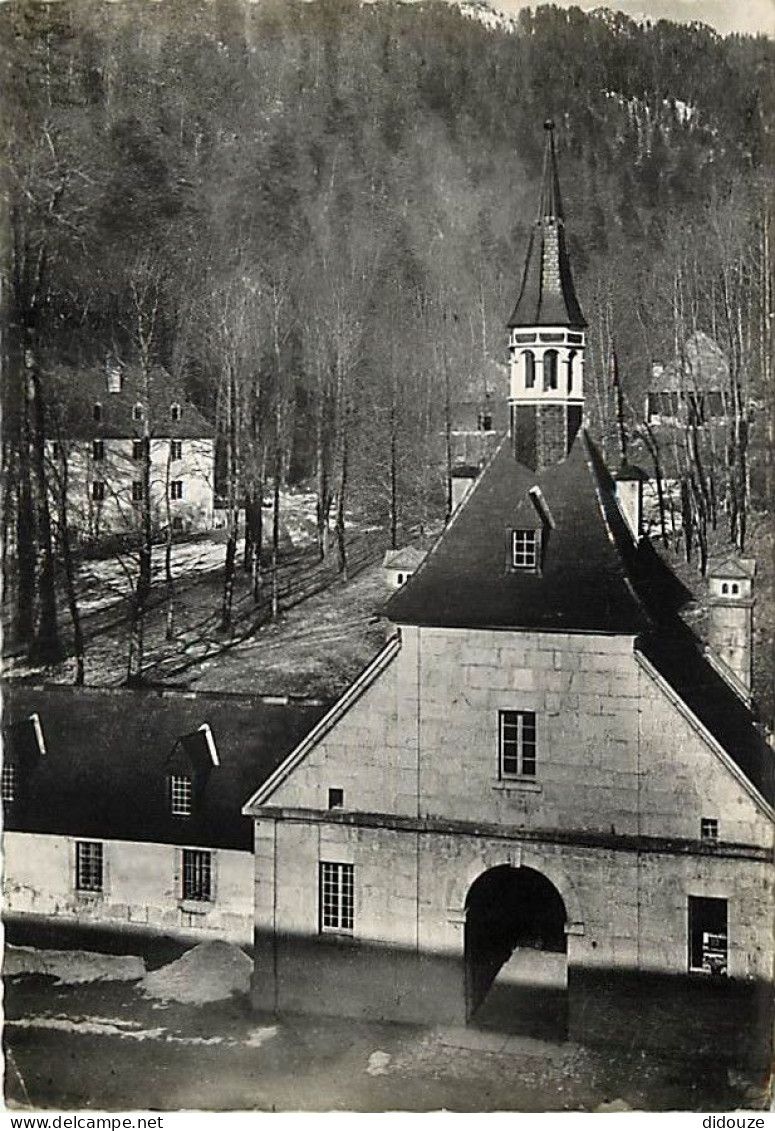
(615, 755)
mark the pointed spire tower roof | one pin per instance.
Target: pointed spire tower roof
(547, 296)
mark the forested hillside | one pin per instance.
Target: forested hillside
(316, 215)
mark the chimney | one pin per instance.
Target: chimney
(629, 496)
(463, 479)
(113, 374)
(731, 620)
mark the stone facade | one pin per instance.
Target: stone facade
(182, 471)
(141, 888)
(612, 818)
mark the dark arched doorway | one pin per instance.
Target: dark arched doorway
(515, 923)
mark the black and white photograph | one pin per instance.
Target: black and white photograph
(388, 557)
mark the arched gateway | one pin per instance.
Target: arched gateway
(516, 928)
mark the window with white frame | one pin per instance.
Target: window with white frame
(176, 489)
(176, 449)
(137, 412)
(337, 897)
(516, 744)
(97, 450)
(197, 876)
(709, 828)
(9, 781)
(88, 865)
(175, 411)
(181, 795)
(524, 549)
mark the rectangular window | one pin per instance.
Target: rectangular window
(88, 865)
(335, 798)
(137, 412)
(517, 744)
(97, 411)
(176, 449)
(137, 491)
(98, 491)
(709, 828)
(337, 902)
(181, 795)
(708, 937)
(176, 489)
(9, 781)
(97, 450)
(524, 549)
(175, 413)
(197, 875)
(55, 450)
(137, 449)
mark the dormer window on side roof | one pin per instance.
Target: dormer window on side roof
(137, 412)
(181, 795)
(524, 549)
(175, 411)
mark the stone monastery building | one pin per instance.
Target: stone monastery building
(543, 799)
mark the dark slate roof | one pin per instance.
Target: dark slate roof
(465, 581)
(109, 752)
(72, 393)
(594, 579)
(674, 653)
(547, 296)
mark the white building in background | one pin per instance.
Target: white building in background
(98, 421)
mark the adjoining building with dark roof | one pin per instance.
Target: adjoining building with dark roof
(98, 420)
(543, 805)
(122, 809)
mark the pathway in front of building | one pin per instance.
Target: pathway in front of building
(103, 1046)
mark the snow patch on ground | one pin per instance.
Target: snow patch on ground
(72, 967)
(378, 1063)
(100, 1027)
(211, 971)
(257, 1037)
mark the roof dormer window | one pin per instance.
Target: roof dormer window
(181, 795)
(97, 411)
(137, 412)
(524, 549)
(175, 411)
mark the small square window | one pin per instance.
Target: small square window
(524, 549)
(176, 489)
(176, 449)
(88, 865)
(335, 798)
(337, 897)
(137, 449)
(9, 781)
(98, 491)
(97, 411)
(175, 411)
(517, 744)
(709, 828)
(137, 412)
(181, 795)
(137, 491)
(97, 450)
(197, 875)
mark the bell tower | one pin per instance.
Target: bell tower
(547, 336)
